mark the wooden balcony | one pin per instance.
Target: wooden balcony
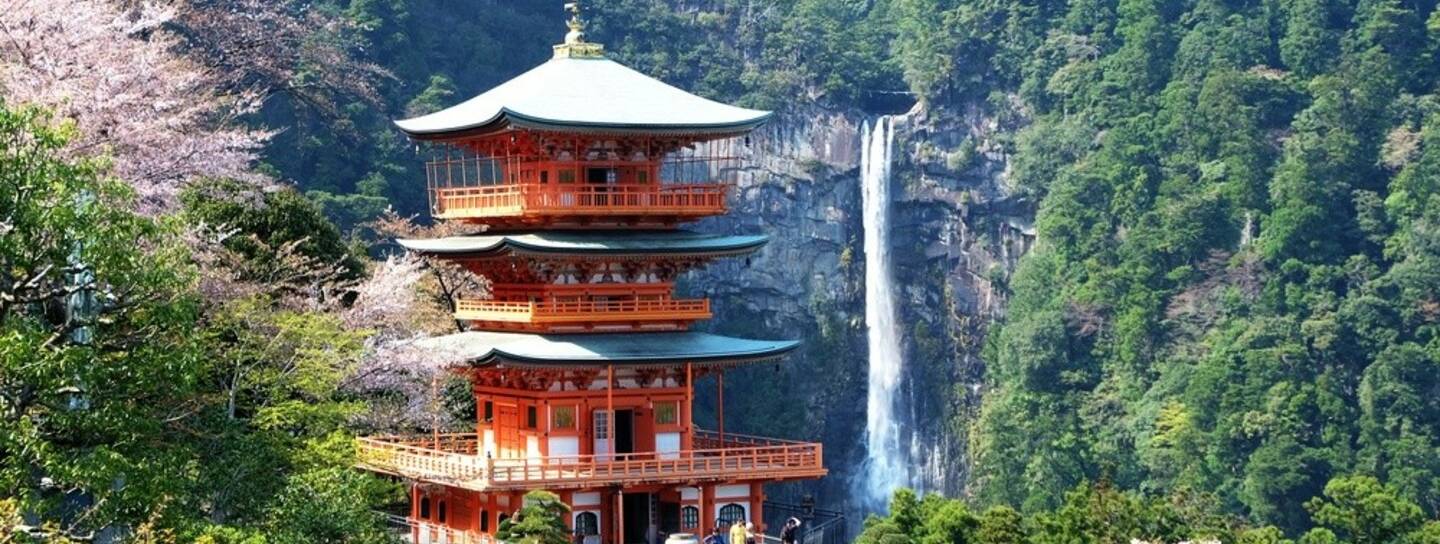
(555, 315)
(415, 531)
(452, 460)
(535, 203)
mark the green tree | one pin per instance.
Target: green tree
(1364, 511)
(96, 358)
(1001, 525)
(540, 521)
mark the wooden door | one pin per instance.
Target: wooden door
(507, 432)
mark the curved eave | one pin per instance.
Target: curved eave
(631, 350)
(508, 119)
(498, 245)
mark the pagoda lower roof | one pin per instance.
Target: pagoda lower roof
(604, 243)
(645, 349)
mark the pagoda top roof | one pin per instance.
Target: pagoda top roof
(585, 94)
(608, 243)
(520, 350)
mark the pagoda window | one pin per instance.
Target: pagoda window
(602, 425)
(642, 177)
(424, 507)
(667, 413)
(544, 177)
(562, 417)
(532, 417)
(732, 513)
(601, 176)
(484, 521)
(489, 412)
(689, 517)
(567, 176)
(440, 511)
(587, 523)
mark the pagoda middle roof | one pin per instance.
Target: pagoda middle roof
(522, 350)
(609, 243)
(585, 94)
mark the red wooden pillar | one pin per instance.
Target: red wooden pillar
(720, 406)
(687, 440)
(415, 511)
(607, 516)
(568, 497)
(757, 506)
(707, 520)
(610, 412)
(619, 517)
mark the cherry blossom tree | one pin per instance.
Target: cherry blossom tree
(118, 76)
(404, 377)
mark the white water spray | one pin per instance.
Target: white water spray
(886, 465)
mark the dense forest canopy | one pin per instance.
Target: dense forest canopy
(1229, 327)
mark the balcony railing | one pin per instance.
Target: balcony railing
(420, 532)
(535, 200)
(451, 460)
(589, 311)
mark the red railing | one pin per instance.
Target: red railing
(522, 199)
(421, 532)
(582, 311)
(443, 458)
(454, 463)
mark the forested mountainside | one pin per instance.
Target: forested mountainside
(1169, 269)
(1233, 285)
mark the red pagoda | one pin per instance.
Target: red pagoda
(577, 176)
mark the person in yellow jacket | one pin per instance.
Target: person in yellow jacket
(738, 534)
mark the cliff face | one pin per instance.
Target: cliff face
(957, 231)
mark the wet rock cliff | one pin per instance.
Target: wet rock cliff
(957, 231)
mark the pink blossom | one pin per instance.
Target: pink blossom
(116, 73)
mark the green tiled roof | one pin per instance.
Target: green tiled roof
(608, 243)
(590, 350)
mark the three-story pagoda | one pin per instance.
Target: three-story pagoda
(578, 176)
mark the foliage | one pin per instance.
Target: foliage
(262, 227)
(96, 62)
(540, 521)
(1365, 511)
(94, 356)
(1225, 296)
(126, 401)
(1353, 509)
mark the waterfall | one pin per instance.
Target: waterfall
(886, 461)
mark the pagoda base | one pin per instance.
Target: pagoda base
(635, 514)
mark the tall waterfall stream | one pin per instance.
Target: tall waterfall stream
(886, 464)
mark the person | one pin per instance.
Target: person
(737, 532)
(751, 537)
(790, 532)
(715, 536)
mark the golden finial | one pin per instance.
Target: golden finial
(575, 45)
(577, 26)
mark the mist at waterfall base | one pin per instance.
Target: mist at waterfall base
(886, 465)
